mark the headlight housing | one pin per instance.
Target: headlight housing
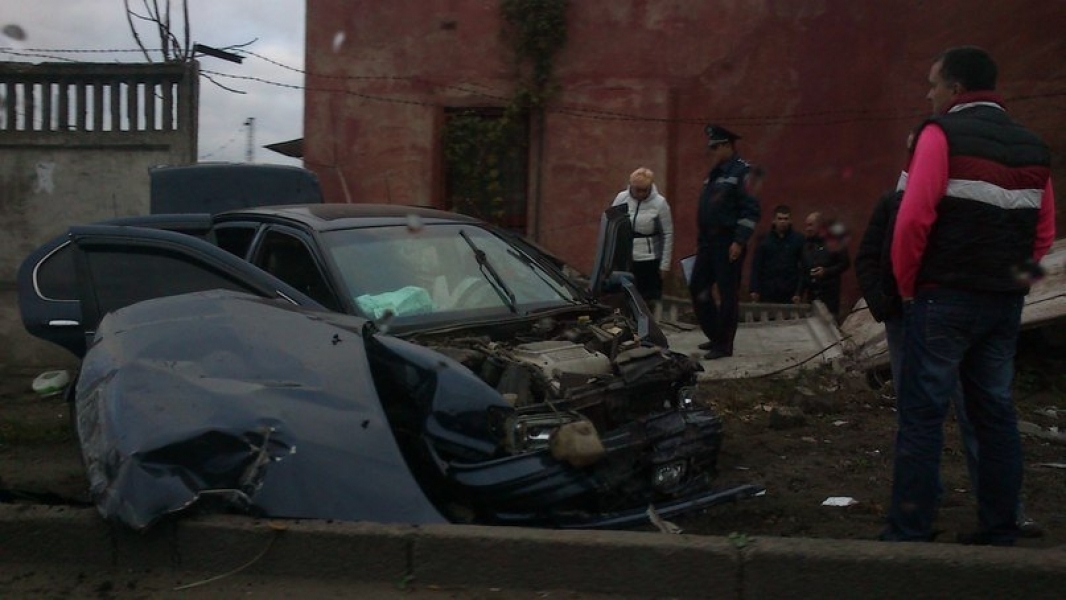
(532, 432)
(668, 476)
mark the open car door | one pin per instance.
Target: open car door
(611, 272)
(614, 250)
(69, 284)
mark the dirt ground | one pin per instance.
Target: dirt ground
(838, 444)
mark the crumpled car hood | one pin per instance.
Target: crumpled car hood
(265, 406)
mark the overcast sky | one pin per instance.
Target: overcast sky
(277, 25)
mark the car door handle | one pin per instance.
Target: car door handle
(63, 323)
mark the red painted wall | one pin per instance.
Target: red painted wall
(823, 92)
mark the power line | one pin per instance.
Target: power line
(832, 117)
(472, 88)
(808, 118)
(225, 145)
(82, 50)
(812, 118)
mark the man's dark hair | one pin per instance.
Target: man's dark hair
(969, 66)
(781, 209)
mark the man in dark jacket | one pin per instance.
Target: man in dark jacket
(978, 209)
(824, 260)
(873, 266)
(775, 266)
(726, 216)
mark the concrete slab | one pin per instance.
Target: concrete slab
(773, 339)
(802, 339)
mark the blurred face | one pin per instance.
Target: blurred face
(812, 224)
(782, 221)
(639, 192)
(941, 93)
(719, 152)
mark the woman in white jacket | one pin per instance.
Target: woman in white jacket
(653, 232)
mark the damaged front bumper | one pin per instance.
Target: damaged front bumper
(663, 464)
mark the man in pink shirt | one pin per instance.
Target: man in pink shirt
(977, 214)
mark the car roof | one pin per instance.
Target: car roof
(334, 216)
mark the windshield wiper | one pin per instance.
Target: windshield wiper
(486, 268)
(538, 270)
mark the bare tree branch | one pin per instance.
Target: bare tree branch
(140, 16)
(158, 13)
(160, 29)
(133, 30)
(228, 89)
(248, 43)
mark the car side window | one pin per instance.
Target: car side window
(235, 239)
(139, 274)
(290, 260)
(55, 278)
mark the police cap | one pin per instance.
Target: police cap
(716, 134)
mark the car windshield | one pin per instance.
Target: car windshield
(441, 269)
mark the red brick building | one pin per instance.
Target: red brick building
(823, 92)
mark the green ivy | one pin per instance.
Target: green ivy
(477, 148)
(537, 31)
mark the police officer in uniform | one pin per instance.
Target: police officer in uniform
(727, 213)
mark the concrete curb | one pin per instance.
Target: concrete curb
(634, 564)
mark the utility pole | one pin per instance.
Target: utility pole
(249, 154)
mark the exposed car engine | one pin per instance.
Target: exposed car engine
(584, 392)
(560, 370)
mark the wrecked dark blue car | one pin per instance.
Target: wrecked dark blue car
(362, 362)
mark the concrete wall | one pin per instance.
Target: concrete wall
(71, 153)
(824, 93)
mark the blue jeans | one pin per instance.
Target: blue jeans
(955, 338)
(895, 336)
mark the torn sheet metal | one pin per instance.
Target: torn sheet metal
(229, 396)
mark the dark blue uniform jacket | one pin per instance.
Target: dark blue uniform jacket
(726, 208)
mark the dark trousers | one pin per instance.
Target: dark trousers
(778, 296)
(649, 280)
(956, 340)
(829, 294)
(714, 269)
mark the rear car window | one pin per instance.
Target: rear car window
(55, 278)
(143, 274)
